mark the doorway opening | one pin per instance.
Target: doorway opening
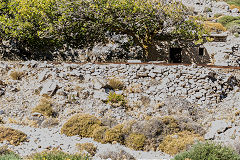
(176, 55)
(201, 51)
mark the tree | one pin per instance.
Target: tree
(50, 24)
(147, 21)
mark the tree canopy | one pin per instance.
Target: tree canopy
(79, 23)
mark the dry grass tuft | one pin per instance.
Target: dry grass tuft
(214, 27)
(134, 88)
(116, 84)
(16, 75)
(234, 6)
(44, 107)
(14, 137)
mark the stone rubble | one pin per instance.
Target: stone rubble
(208, 96)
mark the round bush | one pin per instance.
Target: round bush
(173, 144)
(135, 141)
(115, 134)
(208, 151)
(99, 133)
(82, 125)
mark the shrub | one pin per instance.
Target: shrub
(217, 15)
(115, 134)
(236, 35)
(15, 137)
(89, 147)
(226, 19)
(214, 27)
(115, 84)
(135, 141)
(208, 150)
(81, 124)
(57, 155)
(175, 143)
(10, 156)
(116, 99)
(170, 125)
(44, 107)
(6, 154)
(234, 2)
(99, 133)
(235, 22)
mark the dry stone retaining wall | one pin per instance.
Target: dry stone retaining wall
(197, 84)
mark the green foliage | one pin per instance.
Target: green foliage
(233, 23)
(146, 21)
(10, 156)
(6, 154)
(227, 19)
(48, 24)
(217, 15)
(58, 155)
(116, 99)
(210, 151)
(234, 2)
(28, 21)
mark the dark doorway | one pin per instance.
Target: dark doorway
(175, 55)
(201, 51)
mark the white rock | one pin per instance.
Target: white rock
(42, 76)
(49, 88)
(100, 95)
(235, 10)
(217, 127)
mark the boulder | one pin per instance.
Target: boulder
(49, 88)
(217, 127)
(99, 83)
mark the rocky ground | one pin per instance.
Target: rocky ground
(203, 100)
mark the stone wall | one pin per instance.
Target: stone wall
(197, 84)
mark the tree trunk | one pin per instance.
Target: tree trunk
(151, 53)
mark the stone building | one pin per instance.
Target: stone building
(222, 50)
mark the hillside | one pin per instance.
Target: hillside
(73, 85)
